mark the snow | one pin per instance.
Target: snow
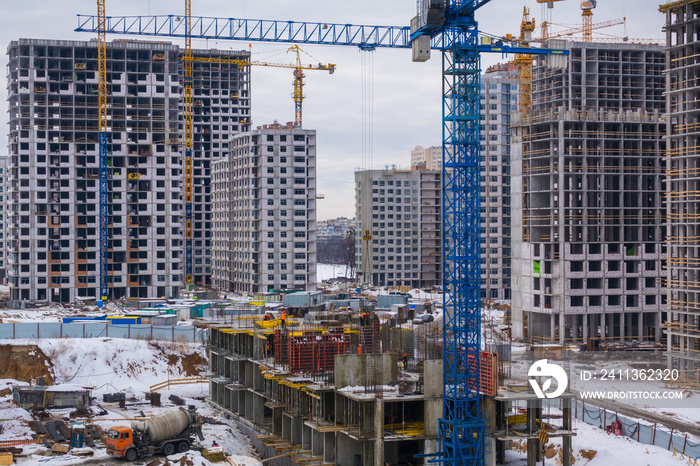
(109, 365)
(609, 450)
(328, 271)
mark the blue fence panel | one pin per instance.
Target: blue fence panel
(185, 333)
(36, 330)
(661, 439)
(7, 331)
(94, 330)
(27, 330)
(677, 443)
(140, 332)
(50, 330)
(163, 332)
(118, 331)
(692, 449)
(72, 331)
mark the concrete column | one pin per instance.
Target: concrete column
(534, 412)
(329, 447)
(657, 325)
(552, 327)
(378, 453)
(585, 327)
(622, 326)
(640, 327)
(603, 333)
(567, 425)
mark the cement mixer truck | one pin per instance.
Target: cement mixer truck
(167, 433)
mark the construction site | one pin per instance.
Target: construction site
(487, 297)
(347, 383)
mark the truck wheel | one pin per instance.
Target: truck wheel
(131, 455)
(168, 449)
(183, 446)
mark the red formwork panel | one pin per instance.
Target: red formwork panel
(370, 337)
(488, 373)
(313, 352)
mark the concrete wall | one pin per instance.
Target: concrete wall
(432, 389)
(351, 369)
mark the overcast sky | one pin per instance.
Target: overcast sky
(406, 98)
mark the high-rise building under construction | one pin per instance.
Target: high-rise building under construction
(588, 227)
(682, 180)
(53, 226)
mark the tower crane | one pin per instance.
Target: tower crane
(524, 63)
(298, 74)
(189, 206)
(449, 26)
(587, 7)
(587, 17)
(102, 145)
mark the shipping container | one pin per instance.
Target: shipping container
(123, 320)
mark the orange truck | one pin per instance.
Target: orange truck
(167, 433)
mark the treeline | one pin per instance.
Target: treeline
(337, 250)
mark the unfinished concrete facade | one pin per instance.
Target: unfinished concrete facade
(588, 232)
(53, 234)
(346, 418)
(265, 211)
(398, 240)
(682, 161)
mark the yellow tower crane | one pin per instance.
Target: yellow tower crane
(298, 67)
(587, 7)
(524, 63)
(587, 17)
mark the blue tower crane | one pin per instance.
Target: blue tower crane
(450, 27)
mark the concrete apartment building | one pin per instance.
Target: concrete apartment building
(334, 227)
(265, 211)
(3, 218)
(499, 97)
(431, 157)
(398, 240)
(588, 231)
(683, 267)
(53, 234)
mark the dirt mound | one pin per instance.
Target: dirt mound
(24, 362)
(181, 356)
(589, 454)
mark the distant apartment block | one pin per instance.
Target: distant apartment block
(499, 97)
(334, 228)
(588, 227)
(264, 211)
(430, 158)
(53, 235)
(398, 239)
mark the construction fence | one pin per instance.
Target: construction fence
(39, 330)
(648, 434)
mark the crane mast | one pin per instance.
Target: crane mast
(189, 281)
(102, 144)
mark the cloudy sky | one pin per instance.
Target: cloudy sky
(406, 96)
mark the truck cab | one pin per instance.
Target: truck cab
(120, 442)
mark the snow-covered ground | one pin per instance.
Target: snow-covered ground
(328, 271)
(110, 365)
(595, 447)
